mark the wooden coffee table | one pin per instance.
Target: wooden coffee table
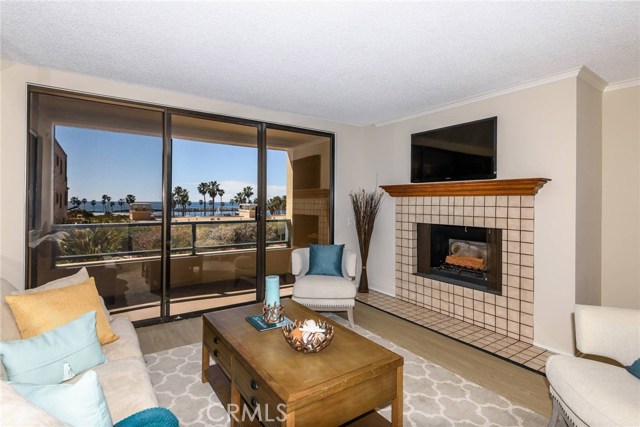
(351, 377)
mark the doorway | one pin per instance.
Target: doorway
(174, 212)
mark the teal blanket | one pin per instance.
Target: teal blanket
(152, 417)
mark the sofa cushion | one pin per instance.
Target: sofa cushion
(39, 312)
(8, 327)
(79, 404)
(126, 386)
(127, 345)
(56, 355)
(15, 410)
(324, 287)
(325, 260)
(77, 278)
(603, 394)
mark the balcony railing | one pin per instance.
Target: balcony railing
(87, 243)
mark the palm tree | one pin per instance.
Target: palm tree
(110, 204)
(181, 198)
(239, 198)
(203, 188)
(271, 205)
(130, 199)
(220, 193)
(213, 192)
(75, 201)
(104, 202)
(248, 192)
(121, 203)
(93, 206)
(84, 204)
(284, 204)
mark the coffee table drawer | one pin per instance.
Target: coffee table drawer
(258, 395)
(218, 350)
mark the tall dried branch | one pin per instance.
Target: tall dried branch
(365, 208)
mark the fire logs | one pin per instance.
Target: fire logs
(466, 262)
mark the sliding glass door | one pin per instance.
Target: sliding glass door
(90, 165)
(298, 205)
(173, 212)
(214, 228)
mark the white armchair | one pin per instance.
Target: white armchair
(325, 293)
(590, 393)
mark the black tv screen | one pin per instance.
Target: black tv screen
(460, 152)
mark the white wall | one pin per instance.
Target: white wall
(536, 138)
(13, 124)
(588, 194)
(621, 198)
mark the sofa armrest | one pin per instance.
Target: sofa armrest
(15, 410)
(608, 331)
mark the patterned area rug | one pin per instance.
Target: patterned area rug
(433, 396)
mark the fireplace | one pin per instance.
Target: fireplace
(461, 255)
(503, 205)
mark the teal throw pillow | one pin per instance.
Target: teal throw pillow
(55, 356)
(634, 368)
(152, 417)
(79, 404)
(325, 260)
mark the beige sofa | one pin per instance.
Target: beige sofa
(124, 379)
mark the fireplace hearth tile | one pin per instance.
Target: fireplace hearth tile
(499, 342)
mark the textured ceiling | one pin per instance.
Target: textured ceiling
(352, 62)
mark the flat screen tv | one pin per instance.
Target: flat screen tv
(461, 152)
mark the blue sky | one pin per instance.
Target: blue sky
(117, 164)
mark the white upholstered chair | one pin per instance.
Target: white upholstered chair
(590, 393)
(325, 293)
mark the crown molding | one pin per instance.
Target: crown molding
(624, 84)
(572, 73)
(592, 78)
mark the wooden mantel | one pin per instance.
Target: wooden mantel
(496, 187)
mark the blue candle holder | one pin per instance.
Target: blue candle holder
(272, 290)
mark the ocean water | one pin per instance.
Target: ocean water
(194, 210)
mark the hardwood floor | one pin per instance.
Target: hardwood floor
(519, 385)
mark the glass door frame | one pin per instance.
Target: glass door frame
(167, 111)
(165, 312)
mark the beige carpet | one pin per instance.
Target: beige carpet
(433, 396)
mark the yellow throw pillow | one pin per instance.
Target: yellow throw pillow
(43, 311)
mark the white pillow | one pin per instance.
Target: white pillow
(15, 410)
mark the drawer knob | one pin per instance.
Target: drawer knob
(254, 384)
(253, 401)
(216, 353)
(216, 340)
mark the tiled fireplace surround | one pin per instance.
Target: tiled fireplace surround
(499, 324)
(509, 314)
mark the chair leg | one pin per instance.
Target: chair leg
(555, 415)
(350, 316)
